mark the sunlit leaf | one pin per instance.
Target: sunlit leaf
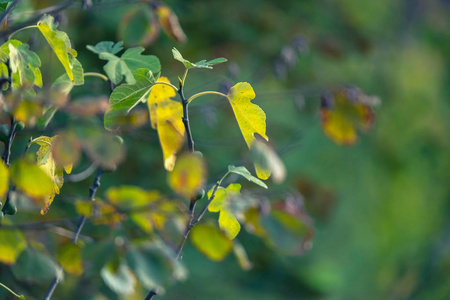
(4, 179)
(118, 278)
(69, 257)
(31, 179)
(211, 241)
(246, 174)
(221, 203)
(12, 243)
(127, 96)
(345, 111)
(4, 49)
(165, 115)
(250, 117)
(203, 64)
(102, 212)
(59, 42)
(169, 22)
(188, 176)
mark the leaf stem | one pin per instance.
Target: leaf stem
(167, 83)
(95, 74)
(184, 77)
(9, 290)
(206, 93)
(92, 191)
(21, 29)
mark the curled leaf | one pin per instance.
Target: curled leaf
(169, 22)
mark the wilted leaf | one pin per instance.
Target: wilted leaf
(69, 257)
(165, 115)
(211, 241)
(345, 111)
(12, 243)
(246, 174)
(169, 22)
(188, 176)
(203, 64)
(127, 96)
(59, 42)
(267, 161)
(221, 203)
(118, 278)
(4, 179)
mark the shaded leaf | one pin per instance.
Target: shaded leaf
(241, 256)
(166, 117)
(211, 241)
(267, 162)
(24, 66)
(203, 64)
(188, 176)
(118, 278)
(69, 257)
(221, 203)
(108, 47)
(27, 112)
(127, 96)
(246, 174)
(12, 243)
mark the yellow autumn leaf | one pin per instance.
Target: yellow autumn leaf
(165, 115)
(28, 112)
(250, 117)
(12, 243)
(4, 177)
(69, 257)
(59, 42)
(221, 203)
(211, 241)
(188, 176)
(31, 179)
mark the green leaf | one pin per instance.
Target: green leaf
(43, 121)
(24, 65)
(203, 64)
(4, 49)
(127, 96)
(211, 241)
(118, 278)
(59, 42)
(108, 47)
(246, 174)
(69, 256)
(130, 61)
(221, 203)
(12, 243)
(4, 179)
(35, 266)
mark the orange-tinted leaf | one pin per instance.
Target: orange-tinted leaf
(188, 176)
(345, 111)
(169, 22)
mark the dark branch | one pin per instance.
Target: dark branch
(52, 288)
(92, 192)
(186, 119)
(9, 141)
(150, 295)
(8, 10)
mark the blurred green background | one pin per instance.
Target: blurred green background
(380, 207)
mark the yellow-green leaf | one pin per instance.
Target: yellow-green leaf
(250, 117)
(4, 177)
(31, 179)
(188, 176)
(221, 202)
(165, 115)
(12, 243)
(59, 42)
(211, 241)
(69, 257)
